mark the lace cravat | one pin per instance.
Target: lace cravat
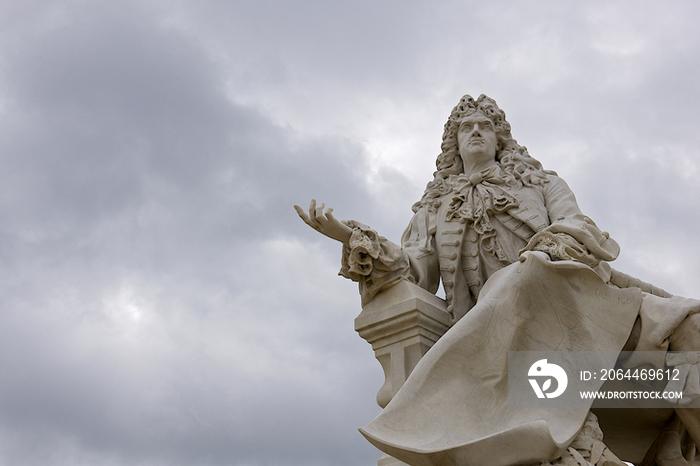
(475, 198)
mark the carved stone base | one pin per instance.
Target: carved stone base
(401, 324)
(387, 460)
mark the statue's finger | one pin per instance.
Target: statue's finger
(304, 216)
(312, 209)
(318, 214)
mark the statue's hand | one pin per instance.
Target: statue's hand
(324, 222)
(561, 246)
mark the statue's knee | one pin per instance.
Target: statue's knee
(687, 336)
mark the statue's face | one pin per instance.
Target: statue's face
(477, 138)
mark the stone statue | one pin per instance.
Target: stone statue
(523, 270)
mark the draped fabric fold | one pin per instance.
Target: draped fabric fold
(688, 381)
(453, 408)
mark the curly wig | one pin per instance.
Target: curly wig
(519, 168)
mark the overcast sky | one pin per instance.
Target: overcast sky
(161, 303)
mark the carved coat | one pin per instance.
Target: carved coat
(471, 232)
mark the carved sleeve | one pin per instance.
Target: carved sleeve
(376, 263)
(571, 235)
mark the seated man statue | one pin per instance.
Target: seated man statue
(523, 270)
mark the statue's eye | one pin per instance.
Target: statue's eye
(466, 128)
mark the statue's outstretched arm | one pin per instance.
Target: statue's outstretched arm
(324, 222)
(373, 261)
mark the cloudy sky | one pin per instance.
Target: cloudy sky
(161, 303)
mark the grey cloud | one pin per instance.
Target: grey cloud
(135, 192)
(161, 301)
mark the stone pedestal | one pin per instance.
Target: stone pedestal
(387, 460)
(401, 324)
